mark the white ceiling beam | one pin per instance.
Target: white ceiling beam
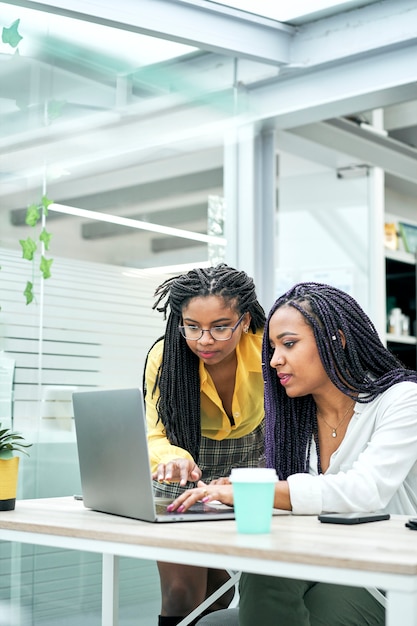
(361, 31)
(327, 92)
(384, 78)
(380, 80)
(392, 156)
(366, 75)
(354, 61)
(210, 27)
(228, 31)
(400, 116)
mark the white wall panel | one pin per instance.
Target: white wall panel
(91, 327)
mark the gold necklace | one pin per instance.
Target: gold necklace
(334, 428)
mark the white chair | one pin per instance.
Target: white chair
(225, 617)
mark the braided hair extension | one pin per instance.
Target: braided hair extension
(178, 379)
(360, 365)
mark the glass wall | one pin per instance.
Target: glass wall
(102, 130)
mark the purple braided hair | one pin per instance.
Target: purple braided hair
(363, 366)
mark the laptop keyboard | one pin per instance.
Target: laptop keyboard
(198, 507)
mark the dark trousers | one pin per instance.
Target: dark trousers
(273, 601)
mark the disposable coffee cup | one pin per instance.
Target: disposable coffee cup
(253, 496)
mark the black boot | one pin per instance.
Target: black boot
(168, 620)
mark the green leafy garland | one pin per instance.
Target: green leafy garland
(34, 214)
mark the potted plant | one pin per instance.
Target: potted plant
(10, 443)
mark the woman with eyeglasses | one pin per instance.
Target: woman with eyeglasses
(203, 390)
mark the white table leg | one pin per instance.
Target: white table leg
(401, 609)
(110, 590)
(233, 580)
(16, 582)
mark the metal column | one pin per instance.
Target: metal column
(250, 193)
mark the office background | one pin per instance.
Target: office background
(168, 134)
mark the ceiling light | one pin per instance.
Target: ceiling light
(126, 221)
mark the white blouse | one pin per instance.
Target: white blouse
(375, 466)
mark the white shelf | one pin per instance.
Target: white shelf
(408, 339)
(400, 255)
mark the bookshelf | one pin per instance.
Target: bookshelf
(401, 288)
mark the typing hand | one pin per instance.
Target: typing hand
(204, 493)
(222, 480)
(178, 470)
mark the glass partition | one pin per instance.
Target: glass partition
(110, 122)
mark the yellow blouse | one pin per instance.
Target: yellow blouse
(247, 402)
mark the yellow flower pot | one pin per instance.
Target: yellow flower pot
(8, 483)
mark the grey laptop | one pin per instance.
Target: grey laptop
(114, 462)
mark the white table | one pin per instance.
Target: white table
(379, 554)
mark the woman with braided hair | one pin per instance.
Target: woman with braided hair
(341, 432)
(203, 390)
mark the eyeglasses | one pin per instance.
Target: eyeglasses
(219, 333)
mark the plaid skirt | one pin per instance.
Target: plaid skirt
(217, 458)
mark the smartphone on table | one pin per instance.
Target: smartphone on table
(352, 518)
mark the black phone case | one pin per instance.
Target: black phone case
(360, 518)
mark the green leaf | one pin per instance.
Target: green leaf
(11, 441)
(45, 267)
(28, 248)
(3, 433)
(55, 109)
(45, 203)
(45, 237)
(11, 36)
(28, 292)
(32, 215)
